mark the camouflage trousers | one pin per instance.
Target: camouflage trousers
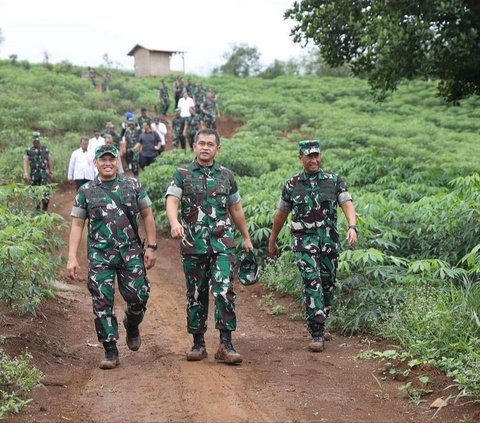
(41, 179)
(210, 121)
(133, 286)
(214, 272)
(132, 158)
(318, 268)
(164, 105)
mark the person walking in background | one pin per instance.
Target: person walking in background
(107, 78)
(81, 168)
(209, 110)
(164, 98)
(96, 141)
(209, 200)
(109, 141)
(313, 196)
(149, 144)
(112, 204)
(143, 118)
(38, 167)
(160, 127)
(178, 87)
(193, 123)
(185, 104)
(129, 147)
(178, 127)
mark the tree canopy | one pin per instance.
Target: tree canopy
(242, 61)
(391, 40)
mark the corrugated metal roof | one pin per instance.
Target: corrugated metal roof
(137, 46)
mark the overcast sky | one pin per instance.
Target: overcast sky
(81, 32)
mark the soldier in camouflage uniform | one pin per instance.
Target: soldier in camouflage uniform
(143, 118)
(178, 126)
(209, 111)
(37, 157)
(193, 123)
(199, 97)
(130, 152)
(209, 200)
(312, 196)
(112, 204)
(164, 98)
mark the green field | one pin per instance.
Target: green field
(411, 163)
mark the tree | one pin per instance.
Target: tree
(242, 61)
(392, 40)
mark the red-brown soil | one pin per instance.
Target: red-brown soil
(278, 381)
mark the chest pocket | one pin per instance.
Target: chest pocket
(222, 190)
(98, 208)
(327, 190)
(129, 199)
(193, 192)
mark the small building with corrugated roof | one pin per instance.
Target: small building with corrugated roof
(148, 62)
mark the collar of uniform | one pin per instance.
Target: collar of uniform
(303, 175)
(98, 181)
(198, 166)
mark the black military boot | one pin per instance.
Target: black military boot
(198, 351)
(226, 352)
(110, 361)
(133, 335)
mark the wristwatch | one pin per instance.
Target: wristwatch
(152, 246)
(354, 227)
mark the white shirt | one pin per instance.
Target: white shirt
(81, 165)
(93, 143)
(161, 129)
(184, 105)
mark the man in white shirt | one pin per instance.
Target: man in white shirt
(161, 129)
(184, 105)
(81, 168)
(95, 142)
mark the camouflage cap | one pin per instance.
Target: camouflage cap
(307, 147)
(106, 149)
(35, 135)
(248, 270)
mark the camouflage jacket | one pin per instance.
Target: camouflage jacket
(142, 119)
(210, 107)
(109, 230)
(178, 124)
(131, 137)
(313, 200)
(163, 91)
(38, 159)
(205, 193)
(193, 124)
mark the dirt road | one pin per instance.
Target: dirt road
(278, 381)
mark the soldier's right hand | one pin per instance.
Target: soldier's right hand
(177, 231)
(25, 177)
(72, 268)
(272, 248)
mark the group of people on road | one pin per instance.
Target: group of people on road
(195, 107)
(203, 205)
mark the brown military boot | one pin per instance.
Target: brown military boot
(226, 352)
(110, 361)
(317, 343)
(327, 336)
(198, 351)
